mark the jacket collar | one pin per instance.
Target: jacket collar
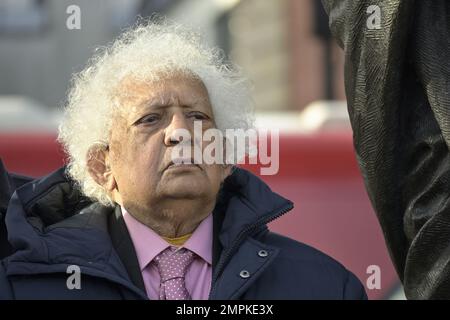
(248, 203)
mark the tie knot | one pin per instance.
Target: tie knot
(173, 263)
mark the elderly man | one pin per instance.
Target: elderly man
(128, 220)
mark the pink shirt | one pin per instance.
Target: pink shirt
(148, 244)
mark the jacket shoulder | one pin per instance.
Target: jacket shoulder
(316, 264)
(5, 287)
(298, 251)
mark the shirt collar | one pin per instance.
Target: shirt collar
(148, 244)
(201, 240)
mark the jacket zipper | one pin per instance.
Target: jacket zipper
(241, 237)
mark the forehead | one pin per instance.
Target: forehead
(184, 89)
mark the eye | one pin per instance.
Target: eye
(149, 119)
(196, 115)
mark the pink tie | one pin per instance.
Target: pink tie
(172, 264)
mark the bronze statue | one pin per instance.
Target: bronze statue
(397, 79)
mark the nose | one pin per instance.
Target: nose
(177, 131)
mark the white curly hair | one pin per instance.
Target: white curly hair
(148, 51)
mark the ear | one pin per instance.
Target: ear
(99, 167)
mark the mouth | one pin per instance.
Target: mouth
(182, 164)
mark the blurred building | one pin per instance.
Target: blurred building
(282, 45)
(38, 53)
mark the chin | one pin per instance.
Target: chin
(186, 194)
(187, 189)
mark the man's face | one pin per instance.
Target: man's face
(141, 147)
